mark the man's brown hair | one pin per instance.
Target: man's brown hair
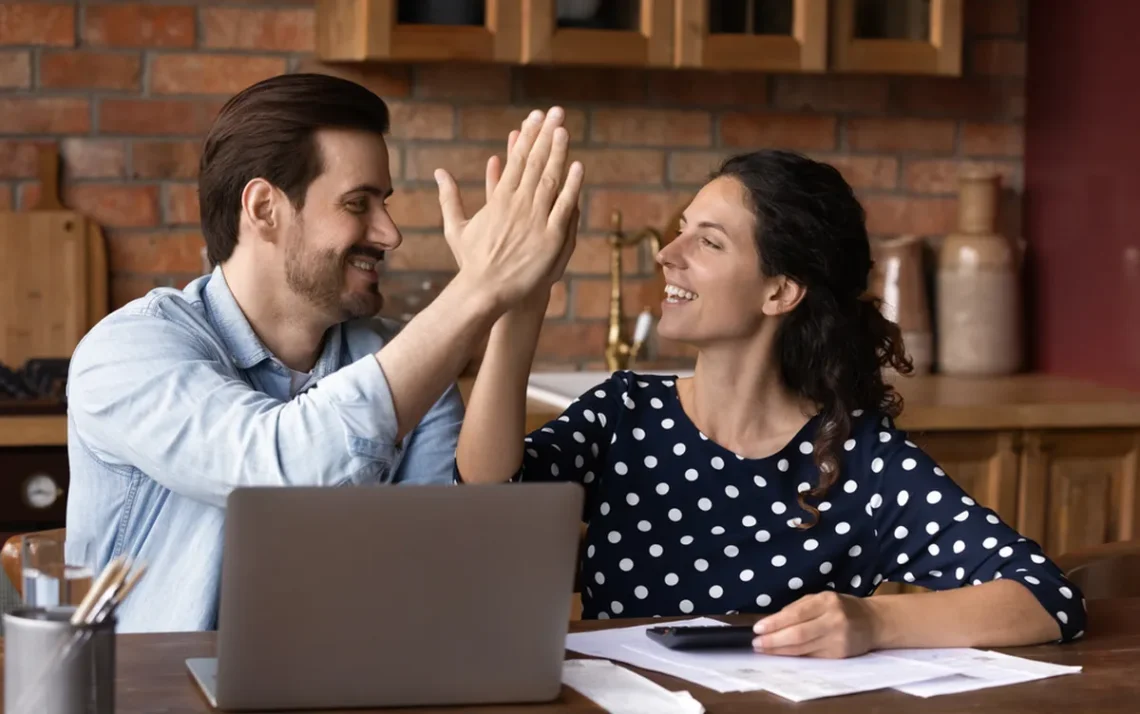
(268, 131)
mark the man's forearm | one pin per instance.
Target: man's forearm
(1001, 613)
(491, 440)
(430, 351)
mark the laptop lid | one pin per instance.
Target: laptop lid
(396, 595)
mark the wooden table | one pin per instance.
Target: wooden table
(152, 677)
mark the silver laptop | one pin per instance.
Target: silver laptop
(393, 596)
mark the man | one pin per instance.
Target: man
(266, 371)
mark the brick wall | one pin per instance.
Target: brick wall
(129, 90)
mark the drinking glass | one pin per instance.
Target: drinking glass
(56, 572)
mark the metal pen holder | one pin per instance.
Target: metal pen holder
(54, 667)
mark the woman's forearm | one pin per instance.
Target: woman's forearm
(491, 440)
(1000, 613)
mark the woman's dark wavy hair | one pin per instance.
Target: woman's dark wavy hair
(832, 347)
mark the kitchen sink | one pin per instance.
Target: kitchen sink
(559, 389)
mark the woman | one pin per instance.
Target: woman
(774, 480)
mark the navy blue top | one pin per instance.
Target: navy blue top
(679, 525)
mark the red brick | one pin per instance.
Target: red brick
(125, 288)
(998, 57)
(866, 172)
(900, 135)
(116, 205)
(941, 176)
(277, 30)
(422, 252)
(27, 195)
(165, 159)
(651, 127)
(622, 166)
(464, 163)
(383, 80)
(420, 120)
(418, 207)
(19, 159)
(155, 251)
(785, 131)
(705, 89)
(181, 203)
(210, 73)
(34, 23)
(6, 203)
(959, 98)
(638, 208)
(571, 340)
(694, 167)
(824, 93)
(993, 139)
(592, 257)
(15, 69)
(592, 296)
(555, 85)
(993, 17)
(496, 123)
(897, 215)
(450, 81)
(90, 70)
(157, 116)
(139, 25)
(45, 115)
(93, 158)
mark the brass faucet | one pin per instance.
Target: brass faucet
(621, 351)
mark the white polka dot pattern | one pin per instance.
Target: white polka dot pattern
(680, 525)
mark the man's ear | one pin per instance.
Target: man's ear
(262, 209)
(783, 294)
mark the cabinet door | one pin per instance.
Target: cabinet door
(419, 30)
(774, 35)
(631, 33)
(897, 36)
(1079, 488)
(984, 464)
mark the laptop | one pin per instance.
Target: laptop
(393, 596)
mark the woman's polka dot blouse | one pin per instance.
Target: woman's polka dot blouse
(679, 525)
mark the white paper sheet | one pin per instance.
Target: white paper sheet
(794, 678)
(620, 691)
(919, 672)
(978, 669)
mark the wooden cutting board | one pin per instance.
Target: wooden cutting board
(53, 274)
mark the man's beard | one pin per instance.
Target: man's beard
(319, 278)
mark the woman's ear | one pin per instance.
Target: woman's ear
(782, 296)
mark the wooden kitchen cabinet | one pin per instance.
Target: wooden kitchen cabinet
(1078, 488)
(897, 36)
(880, 36)
(419, 30)
(622, 33)
(764, 35)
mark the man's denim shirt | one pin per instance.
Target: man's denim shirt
(173, 402)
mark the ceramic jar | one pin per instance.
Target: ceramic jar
(899, 280)
(979, 313)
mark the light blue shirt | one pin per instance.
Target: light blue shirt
(173, 402)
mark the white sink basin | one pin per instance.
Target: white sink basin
(559, 389)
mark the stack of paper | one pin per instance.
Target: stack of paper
(923, 673)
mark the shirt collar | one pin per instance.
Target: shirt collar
(243, 343)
